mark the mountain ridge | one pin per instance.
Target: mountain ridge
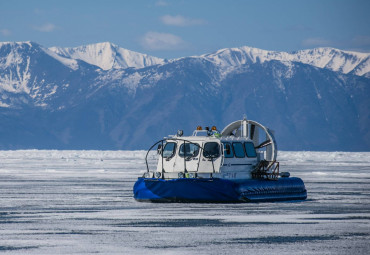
(108, 56)
(51, 100)
(319, 57)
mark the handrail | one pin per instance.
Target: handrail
(146, 157)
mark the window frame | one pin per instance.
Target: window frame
(173, 150)
(192, 156)
(204, 150)
(235, 150)
(246, 151)
(231, 155)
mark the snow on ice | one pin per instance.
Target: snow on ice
(80, 202)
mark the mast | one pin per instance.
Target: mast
(244, 126)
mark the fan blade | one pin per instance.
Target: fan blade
(252, 131)
(264, 144)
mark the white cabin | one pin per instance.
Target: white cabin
(232, 153)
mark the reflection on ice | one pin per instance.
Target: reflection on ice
(62, 202)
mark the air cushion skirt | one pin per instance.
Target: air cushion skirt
(216, 190)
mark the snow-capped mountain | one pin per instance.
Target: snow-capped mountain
(108, 56)
(328, 58)
(31, 75)
(104, 97)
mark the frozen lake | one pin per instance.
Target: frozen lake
(80, 202)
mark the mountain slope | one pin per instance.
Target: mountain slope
(306, 106)
(32, 76)
(107, 56)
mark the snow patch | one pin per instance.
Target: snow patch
(16, 83)
(132, 81)
(108, 56)
(71, 63)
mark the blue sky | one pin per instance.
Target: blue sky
(171, 29)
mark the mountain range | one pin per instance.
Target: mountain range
(101, 96)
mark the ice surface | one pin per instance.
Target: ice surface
(80, 202)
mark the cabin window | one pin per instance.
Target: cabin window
(239, 150)
(169, 150)
(191, 150)
(211, 150)
(249, 149)
(228, 150)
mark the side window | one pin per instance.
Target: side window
(169, 150)
(191, 150)
(228, 150)
(239, 150)
(211, 150)
(249, 149)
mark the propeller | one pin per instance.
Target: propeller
(263, 144)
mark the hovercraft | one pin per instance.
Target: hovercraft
(235, 165)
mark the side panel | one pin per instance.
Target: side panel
(168, 164)
(207, 165)
(237, 165)
(185, 190)
(218, 190)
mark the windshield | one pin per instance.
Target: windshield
(169, 150)
(191, 150)
(211, 150)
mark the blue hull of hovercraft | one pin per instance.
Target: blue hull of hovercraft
(216, 190)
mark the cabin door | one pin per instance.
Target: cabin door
(188, 157)
(169, 157)
(210, 158)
